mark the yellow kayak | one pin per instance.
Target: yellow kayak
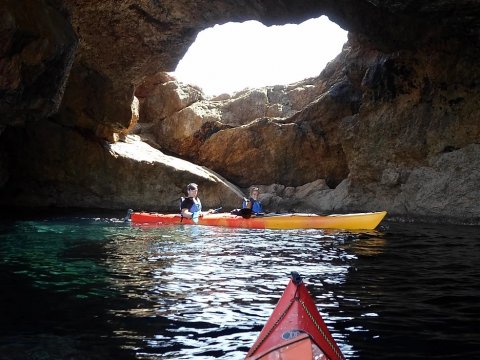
(357, 221)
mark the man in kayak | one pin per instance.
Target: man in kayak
(191, 206)
(253, 203)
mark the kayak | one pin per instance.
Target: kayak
(367, 221)
(295, 330)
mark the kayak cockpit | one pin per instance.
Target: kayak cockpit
(300, 347)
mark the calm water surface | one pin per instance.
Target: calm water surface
(86, 287)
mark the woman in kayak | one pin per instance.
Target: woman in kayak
(253, 203)
(191, 206)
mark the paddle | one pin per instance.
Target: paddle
(196, 214)
(127, 217)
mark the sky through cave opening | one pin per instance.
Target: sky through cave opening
(234, 56)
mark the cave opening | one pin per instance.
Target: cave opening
(231, 57)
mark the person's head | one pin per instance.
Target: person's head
(254, 192)
(192, 190)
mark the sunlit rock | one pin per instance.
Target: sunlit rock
(96, 174)
(391, 123)
(225, 135)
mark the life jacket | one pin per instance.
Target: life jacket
(256, 205)
(196, 204)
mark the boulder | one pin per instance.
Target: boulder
(127, 174)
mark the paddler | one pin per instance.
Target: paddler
(191, 206)
(252, 202)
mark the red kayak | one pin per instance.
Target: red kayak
(295, 330)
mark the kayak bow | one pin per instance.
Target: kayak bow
(295, 330)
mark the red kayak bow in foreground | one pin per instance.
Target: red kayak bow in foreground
(295, 330)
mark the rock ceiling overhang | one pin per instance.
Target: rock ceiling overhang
(147, 35)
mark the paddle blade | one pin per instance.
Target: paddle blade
(127, 217)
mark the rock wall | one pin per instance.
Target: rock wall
(381, 125)
(391, 123)
(78, 170)
(37, 50)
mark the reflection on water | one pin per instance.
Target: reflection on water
(216, 286)
(105, 289)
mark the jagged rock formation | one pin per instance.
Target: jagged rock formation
(247, 137)
(392, 122)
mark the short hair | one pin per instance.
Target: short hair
(192, 186)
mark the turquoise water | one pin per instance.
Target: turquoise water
(87, 287)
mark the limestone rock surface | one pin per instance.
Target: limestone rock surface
(127, 174)
(37, 50)
(391, 123)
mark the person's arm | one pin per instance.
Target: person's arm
(186, 213)
(186, 206)
(247, 203)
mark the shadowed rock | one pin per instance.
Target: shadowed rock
(95, 174)
(392, 123)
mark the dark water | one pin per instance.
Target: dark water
(96, 288)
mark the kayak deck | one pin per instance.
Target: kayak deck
(301, 347)
(295, 330)
(367, 221)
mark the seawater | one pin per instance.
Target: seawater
(89, 287)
